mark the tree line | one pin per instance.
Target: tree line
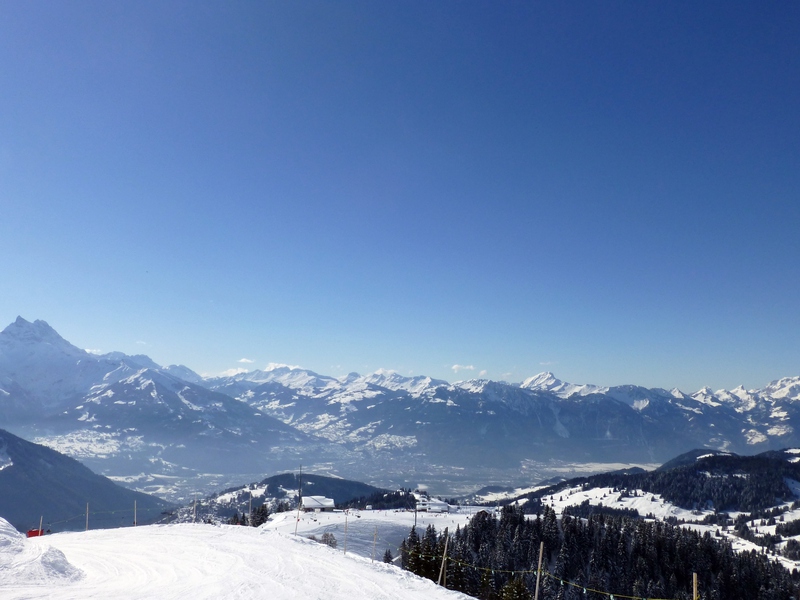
(496, 558)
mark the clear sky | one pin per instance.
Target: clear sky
(606, 190)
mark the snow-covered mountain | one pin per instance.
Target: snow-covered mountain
(385, 410)
(125, 416)
(132, 417)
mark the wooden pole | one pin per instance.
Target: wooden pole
(40, 524)
(194, 511)
(134, 513)
(251, 508)
(374, 542)
(87, 516)
(694, 586)
(299, 498)
(539, 570)
(443, 570)
(345, 532)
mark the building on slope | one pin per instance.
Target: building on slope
(317, 504)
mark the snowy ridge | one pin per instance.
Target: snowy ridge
(393, 381)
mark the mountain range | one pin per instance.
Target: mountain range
(149, 426)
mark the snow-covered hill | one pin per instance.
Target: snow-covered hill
(196, 561)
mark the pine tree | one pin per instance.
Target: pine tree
(515, 590)
(387, 556)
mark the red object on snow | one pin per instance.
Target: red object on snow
(35, 532)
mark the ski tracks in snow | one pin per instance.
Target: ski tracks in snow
(172, 562)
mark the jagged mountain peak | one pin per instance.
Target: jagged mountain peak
(38, 333)
(547, 382)
(543, 380)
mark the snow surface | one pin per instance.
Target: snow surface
(197, 561)
(644, 502)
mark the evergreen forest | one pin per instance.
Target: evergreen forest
(598, 557)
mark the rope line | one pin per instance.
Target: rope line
(544, 572)
(139, 511)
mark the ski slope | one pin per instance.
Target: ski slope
(196, 561)
(368, 530)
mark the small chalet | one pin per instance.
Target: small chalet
(317, 504)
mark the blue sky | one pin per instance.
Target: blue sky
(610, 191)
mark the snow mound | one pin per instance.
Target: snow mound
(22, 562)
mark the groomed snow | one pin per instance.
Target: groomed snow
(200, 561)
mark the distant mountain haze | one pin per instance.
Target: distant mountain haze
(37, 482)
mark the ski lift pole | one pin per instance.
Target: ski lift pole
(539, 570)
(374, 542)
(443, 570)
(299, 498)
